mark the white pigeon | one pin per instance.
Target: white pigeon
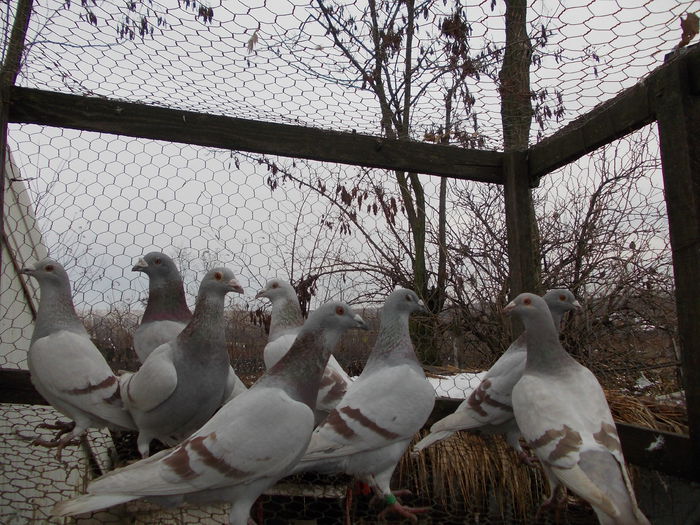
(66, 367)
(563, 415)
(369, 430)
(166, 311)
(285, 323)
(489, 408)
(183, 382)
(252, 442)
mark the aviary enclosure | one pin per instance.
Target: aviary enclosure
(467, 150)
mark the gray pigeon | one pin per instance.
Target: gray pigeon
(369, 430)
(489, 408)
(563, 415)
(66, 367)
(166, 311)
(252, 442)
(183, 382)
(285, 323)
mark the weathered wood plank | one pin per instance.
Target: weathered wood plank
(678, 113)
(627, 112)
(16, 387)
(654, 449)
(32, 106)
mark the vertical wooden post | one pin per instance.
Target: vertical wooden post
(678, 114)
(520, 221)
(8, 75)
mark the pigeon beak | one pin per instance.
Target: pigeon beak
(140, 266)
(26, 271)
(234, 286)
(360, 322)
(423, 308)
(260, 294)
(509, 308)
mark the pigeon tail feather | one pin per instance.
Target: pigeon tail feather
(431, 439)
(90, 503)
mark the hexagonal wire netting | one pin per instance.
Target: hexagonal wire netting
(98, 202)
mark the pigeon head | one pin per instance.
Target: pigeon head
(527, 306)
(49, 273)
(404, 300)
(220, 281)
(158, 266)
(335, 316)
(276, 289)
(561, 300)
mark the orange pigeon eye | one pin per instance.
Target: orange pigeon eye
(527, 300)
(562, 297)
(218, 276)
(49, 267)
(339, 310)
(275, 285)
(157, 261)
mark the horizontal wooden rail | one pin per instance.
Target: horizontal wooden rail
(33, 106)
(663, 451)
(629, 111)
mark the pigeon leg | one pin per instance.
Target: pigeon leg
(392, 505)
(556, 501)
(60, 444)
(63, 427)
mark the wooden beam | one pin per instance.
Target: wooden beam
(630, 110)
(666, 452)
(678, 114)
(16, 387)
(33, 106)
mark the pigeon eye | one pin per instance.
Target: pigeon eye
(339, 310)
(218, 276)
(157, 261)
(275, 285)
(562, 297)
(527, 301)
(49, 267)
(409, 298)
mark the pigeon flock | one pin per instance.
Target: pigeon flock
(231, 443)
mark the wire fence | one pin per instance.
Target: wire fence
(98, 202)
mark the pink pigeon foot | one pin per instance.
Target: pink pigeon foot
(393, 506)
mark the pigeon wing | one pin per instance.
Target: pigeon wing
(71, 373)
(154, 382)
(374, 413)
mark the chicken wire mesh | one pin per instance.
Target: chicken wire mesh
(98, 202)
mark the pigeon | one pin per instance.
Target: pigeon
(253, 441)
(563, 415)
(366, 434)
(183, 382)
(489, 408)
(285, 323)
(166, 311)
(66, 367)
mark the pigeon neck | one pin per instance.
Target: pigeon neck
(285, 314)
(544, 351)
(166, 302)
(300, 370)
(56, 312)
(206, 329)
(393, 344)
